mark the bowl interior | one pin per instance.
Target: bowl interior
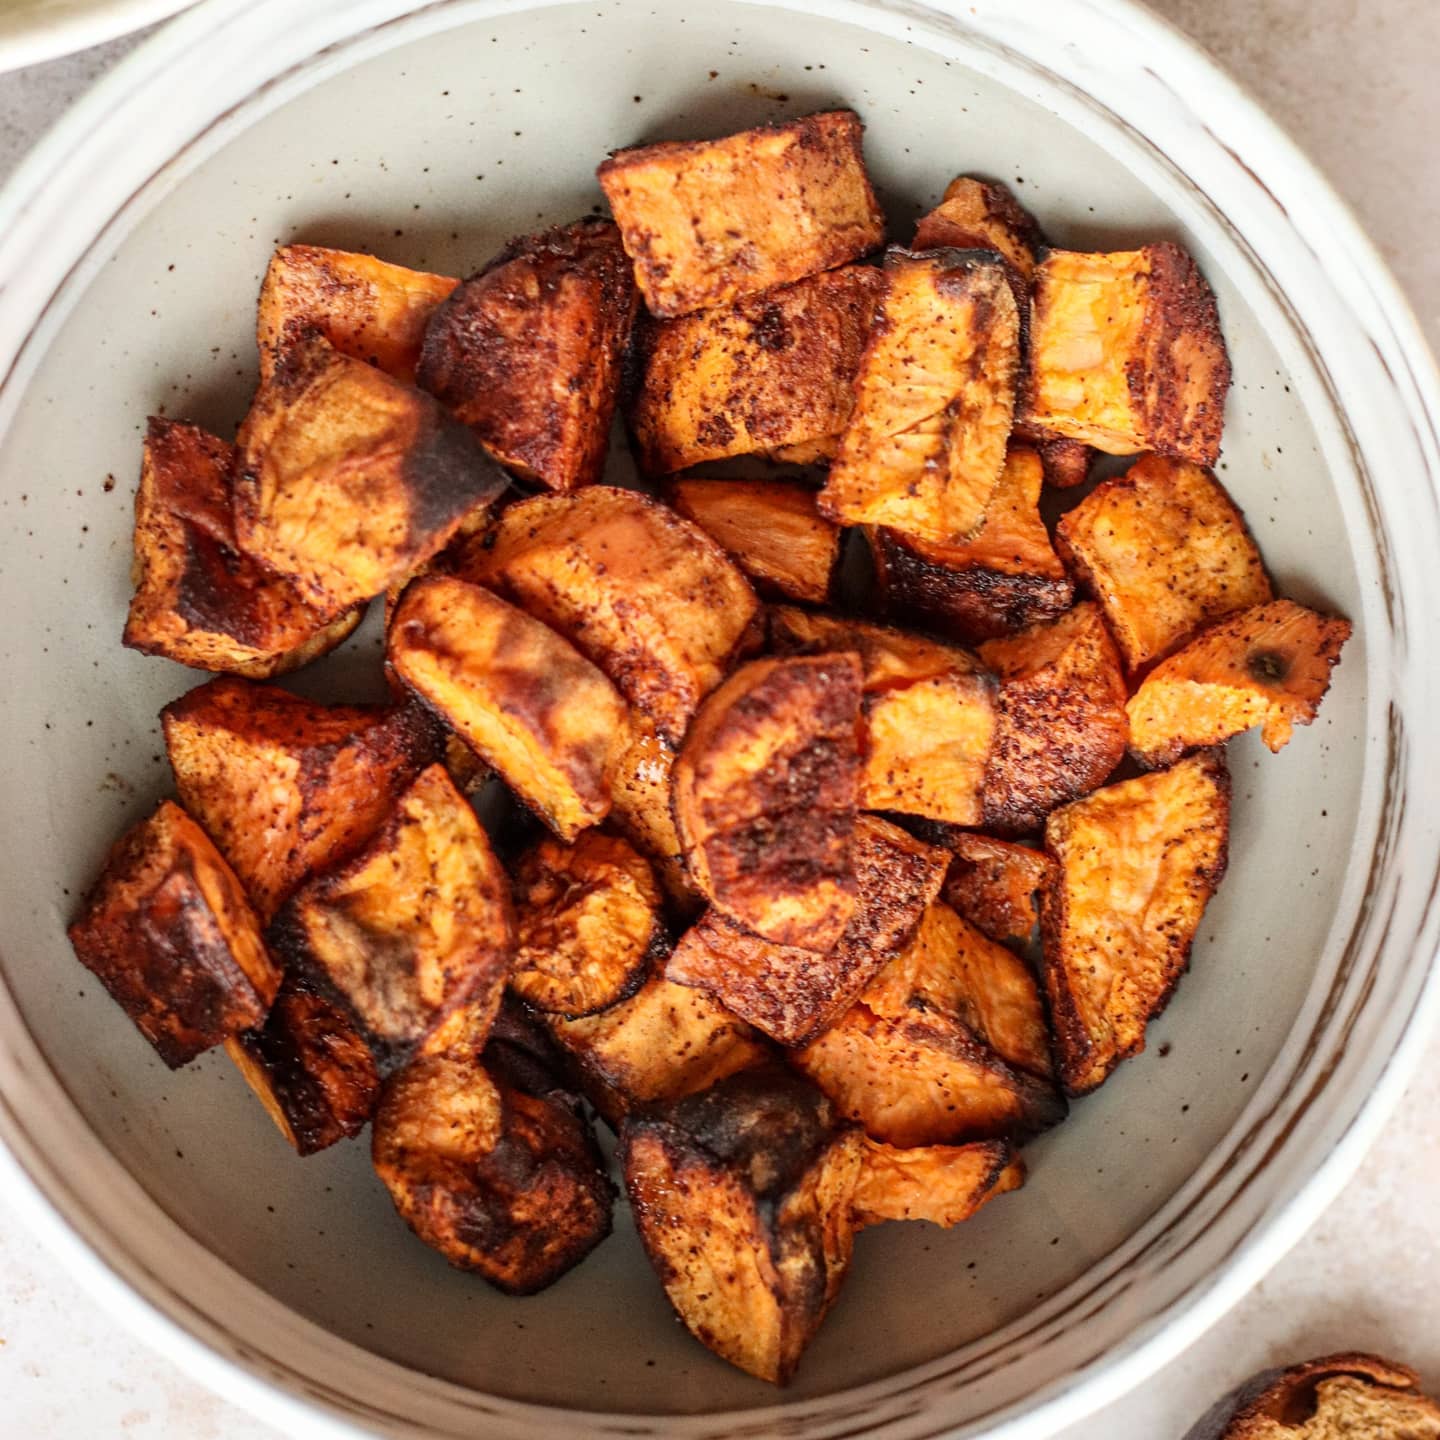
(432, 153)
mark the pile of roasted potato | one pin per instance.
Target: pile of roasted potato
(766, 895)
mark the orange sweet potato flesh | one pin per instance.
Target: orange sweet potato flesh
(979, 215)
(640, 790)
(944, 1184)
(995, 884)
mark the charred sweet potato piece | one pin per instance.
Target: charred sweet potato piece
(199, 600)
(550, 723)
(944, 1184)
(528, 352)
(1164, 550)
(994, 884)
(1126, 353)
(310, 1068)
(1004, 578)
(792, 993)
(366, 308)
(169, 933)
(640, 789)
(285, 786)
(772, 372)
(934, 399)
(764, 792)
(1066, 463)
(1061, 727)
(347, 479)
(640, 591)
(770, 528)
(1267, 666)
(500, 1181)
(743, 1197)
(415, 925)
(588, 924)
(708, 221)
(1137, 864)
(978, 215)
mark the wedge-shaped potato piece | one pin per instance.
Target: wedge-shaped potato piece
(1164, 550)
(1138, 862)
(1062, 727)
(347, 480)
(771, 372)
(1126, 353)
(929, 713)
(647, 596)
(550, 723)
(764, 791)
(944, 1184)
(770, 528)
(310, 1068)
(366, 308)
(934, 399)
(640, 789)
(979, 215)
(792, 993)
(588, 925)
(1004, 578)
(528, 352)
(500, 1181)
(285, 786)
(1268, 666)
(711, 220)
(198, 599)
(415, 925)
(743, 1197)
(995, 885)
(169, 933)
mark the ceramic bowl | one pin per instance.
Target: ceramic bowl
(131, 246)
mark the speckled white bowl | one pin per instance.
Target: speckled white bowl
(130, 250)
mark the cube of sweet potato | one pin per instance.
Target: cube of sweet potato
(415, 925)
(198, 599)
(743, 1196)
(980, 215)
(1268, 666)
(640, 790)
(1061, 727)
(550, 723)
(934, 399)
(791, 993)
(995, 884)
(770, 372)
(528, 352)
(283, 785)
(944, 1184)
(169, 933)
(1007, 576)
(347, 479)
(1138, 862)
(1164, 550)
(764, 792)
(366, 308)
(708, 221)
(1126, 353)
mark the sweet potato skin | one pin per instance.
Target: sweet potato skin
(944, 1184)
(995, 885)
(979, 215)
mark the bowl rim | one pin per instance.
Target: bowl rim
(1278, 168)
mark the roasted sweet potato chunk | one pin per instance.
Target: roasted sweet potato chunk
(792, 993)
(1267, 666)
(770, 528)
(640, 789)
(366, 308)
(979, 215)
(285, 786)
(711, 220)
(1004, 578)
(347, 479)
(772, 372)
(550, 723)
(764, 791)
(1066, 462)
(528, 352)
(1126, 353)
(310, 1068)
(198, 599)
(944, 1184)
(169, 933)
(995, 885)
(415, 925)
(1138, 862)
(1164, 550)
(1062, 728)
(934, 399)
(743, 1197)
